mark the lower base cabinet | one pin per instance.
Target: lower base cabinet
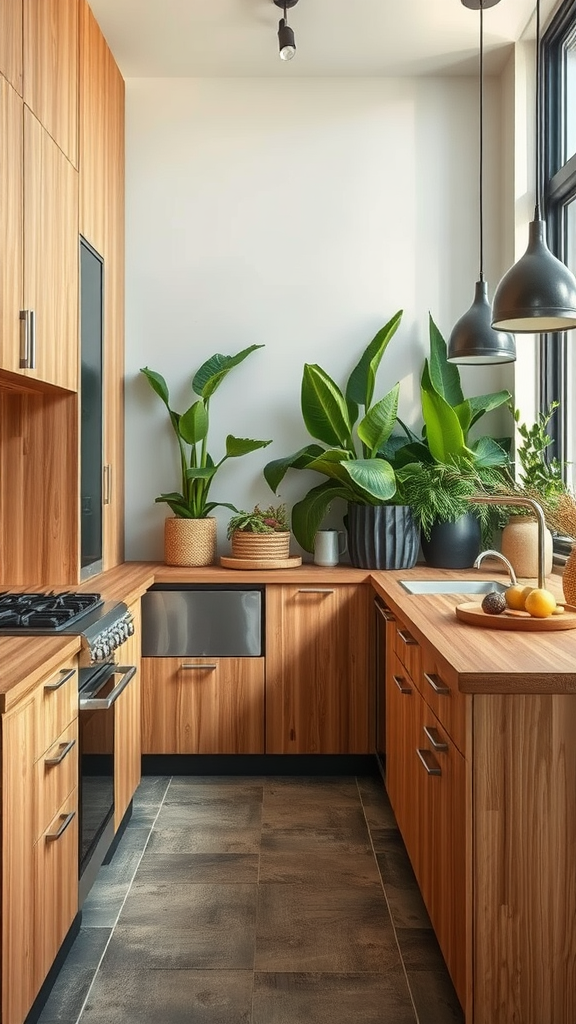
(56, 885)
(202, 705)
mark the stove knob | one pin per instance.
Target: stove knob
(130, 625)
(97, 653)
(105, 648)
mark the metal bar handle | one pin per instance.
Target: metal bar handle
(402, 685)
(429, 761)
(435, 738)
(65, 749)
(65, 675)
(208, 668)
(407, 638)
(437, 685)
(27, 339)
(106, 484)
(385, 612)
(105, 703)
(66, 819)
(316, 590)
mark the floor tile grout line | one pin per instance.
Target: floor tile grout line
(391, 916)
(90, 987)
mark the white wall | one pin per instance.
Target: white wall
(300, 215)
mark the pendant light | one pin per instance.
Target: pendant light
(538, 294)
(286, 39)
(473, 339)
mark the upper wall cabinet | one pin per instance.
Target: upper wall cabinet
(51, 68)
(11, 166)
(11, 42)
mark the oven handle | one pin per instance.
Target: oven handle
(104, 703)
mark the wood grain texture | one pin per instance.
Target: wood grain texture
(515, 621)
(202, 710)
(56, 887)
(11, 217)
(11, 42)
(55, 709)
(453, 709)
(128, 730)
(39, 504)
(524, 842)
(93, 146)
(52, 784)
(51, 254)
(18, 974)
(50, 69)
(403, 726)
(318, 670)
(26, 661)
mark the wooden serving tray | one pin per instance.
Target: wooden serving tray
(227, 562)
(521, 621)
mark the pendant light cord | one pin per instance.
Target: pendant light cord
(537, 213)
(481, 189)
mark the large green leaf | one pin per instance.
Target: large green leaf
(275, 471)
(324, 408)
(159, 385)
(307, 514)
(371, 480)
(237, 446)
(360, 387)
(405, 454)
(379, 421)
(194, 423)
(443, 431)
(177, 502)
(480, 404)
(200, 472)
(445, 376)
(488, 453)
(464, 414)
(212, 372)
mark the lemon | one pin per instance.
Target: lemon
(516, 596)
(540, 603)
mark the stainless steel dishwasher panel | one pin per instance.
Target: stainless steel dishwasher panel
(202, 622)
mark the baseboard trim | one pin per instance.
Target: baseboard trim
(259, 764)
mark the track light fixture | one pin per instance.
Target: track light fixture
(286, 40)
(538, 294)
(473, 339)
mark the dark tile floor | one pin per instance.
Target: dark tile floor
(256, 901)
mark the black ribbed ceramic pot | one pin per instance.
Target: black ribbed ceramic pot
(453, 545)
(382, 536)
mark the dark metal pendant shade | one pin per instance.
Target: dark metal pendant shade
(538, 293)
(474, 340)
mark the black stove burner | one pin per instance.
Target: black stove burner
(44, 611)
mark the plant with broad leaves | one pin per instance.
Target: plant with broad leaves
(273, 519)
(198, 468)
(350, 453)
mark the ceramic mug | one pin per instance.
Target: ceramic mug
(328, 546)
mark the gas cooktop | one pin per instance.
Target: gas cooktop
(46, 612)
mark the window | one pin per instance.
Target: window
(557, 352)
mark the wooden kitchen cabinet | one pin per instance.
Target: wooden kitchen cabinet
(50, 69)
(39, 849)
(11, 221)
(127, 735)
(318, 669)
(11, 42)
(202, 705)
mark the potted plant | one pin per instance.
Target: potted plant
(190, 535)
(381, 534)
(262, 534)
(438, 471)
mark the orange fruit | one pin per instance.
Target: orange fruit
(540, 603)
(516, 596)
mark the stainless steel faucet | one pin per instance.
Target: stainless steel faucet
(496, 554)
(516, 500)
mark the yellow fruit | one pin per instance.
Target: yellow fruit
(559, 610)
(516, 596)
(540, 603)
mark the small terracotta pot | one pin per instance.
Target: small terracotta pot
(520, 546)
(189, 541)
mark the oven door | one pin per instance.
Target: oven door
(100, 688)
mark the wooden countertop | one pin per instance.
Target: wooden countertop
(24, 660)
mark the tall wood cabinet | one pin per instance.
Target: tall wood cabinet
(50, 68)
(318, 669)
(11, 42)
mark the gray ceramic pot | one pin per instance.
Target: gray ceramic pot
(382, 536)
(453, 545)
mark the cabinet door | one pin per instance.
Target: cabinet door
(127, 731)
(403, 781)
(18, 973)
(11, 42)
(318, 670)
(51, 69)
(56, 885)
(51, 255)
(11, 115)
(202, 705)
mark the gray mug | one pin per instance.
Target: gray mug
(328, 546)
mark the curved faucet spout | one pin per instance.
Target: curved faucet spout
(516, 499)
(496, 554)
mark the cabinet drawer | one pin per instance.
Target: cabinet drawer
(56, 889)
(408, 650)
(56, 707)
(447, 702)
(55, 777)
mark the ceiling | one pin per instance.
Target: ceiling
(237, 38)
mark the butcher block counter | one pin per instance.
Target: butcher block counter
(24, 660)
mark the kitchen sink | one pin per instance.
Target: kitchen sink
(453, 586)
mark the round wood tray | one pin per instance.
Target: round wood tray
(227, 562)
(521, 621)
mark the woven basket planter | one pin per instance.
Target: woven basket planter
(569, 578)
(189, 541)
(265, 546)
